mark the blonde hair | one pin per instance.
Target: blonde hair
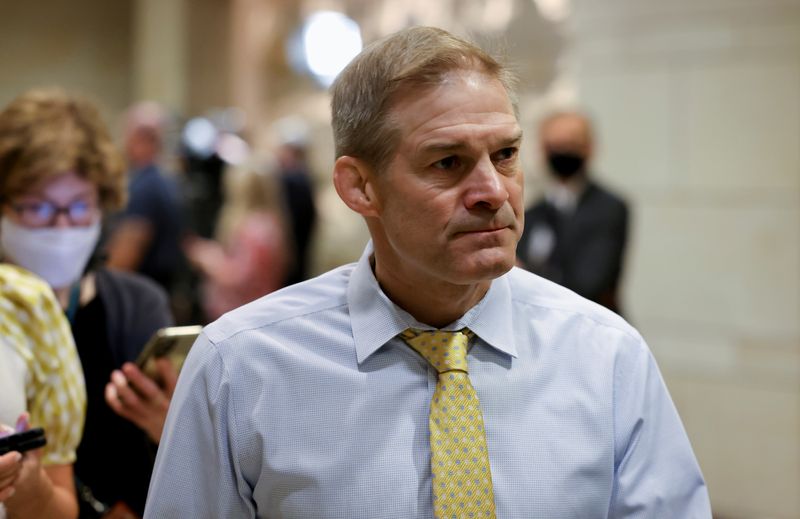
(47, 132)
(364, 92)
(248, 188)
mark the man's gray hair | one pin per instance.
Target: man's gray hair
(363, 94)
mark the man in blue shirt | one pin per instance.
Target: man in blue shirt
(146, 236)
(309, 403)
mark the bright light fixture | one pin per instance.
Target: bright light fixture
(200, 136)
(330, 40)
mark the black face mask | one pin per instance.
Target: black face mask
(565, 164)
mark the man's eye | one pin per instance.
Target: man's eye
(447, 163)
(505, 154)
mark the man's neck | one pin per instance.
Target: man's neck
(436, 304)
(136, 166)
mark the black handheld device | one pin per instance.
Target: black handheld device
(23, 441)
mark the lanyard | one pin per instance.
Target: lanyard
(74, 301)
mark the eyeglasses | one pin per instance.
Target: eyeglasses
(42, 214)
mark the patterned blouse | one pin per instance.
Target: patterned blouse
(37, 350)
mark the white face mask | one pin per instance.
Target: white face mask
(57, 255)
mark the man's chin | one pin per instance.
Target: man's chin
(487, 269)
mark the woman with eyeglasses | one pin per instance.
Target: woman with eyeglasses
(60, 174)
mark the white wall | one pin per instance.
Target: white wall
(698, 104)
(81, 45)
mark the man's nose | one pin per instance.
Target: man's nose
(487, 187)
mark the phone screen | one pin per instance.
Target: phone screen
(173, 343)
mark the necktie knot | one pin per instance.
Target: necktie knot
(445, 351)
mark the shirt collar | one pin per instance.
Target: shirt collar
(375, 319)
(565, 195)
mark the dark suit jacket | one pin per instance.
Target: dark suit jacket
(588, 244)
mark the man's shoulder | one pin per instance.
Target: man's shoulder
(600, 193)
(534, 294)
(151, 182)
(540, 206)
(324, 293)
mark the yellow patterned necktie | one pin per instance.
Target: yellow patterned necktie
(462, 479)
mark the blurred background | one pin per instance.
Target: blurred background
(696, 105)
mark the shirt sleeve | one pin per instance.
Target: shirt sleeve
(197, 472)
(656, 473)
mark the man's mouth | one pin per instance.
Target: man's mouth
(485, 230)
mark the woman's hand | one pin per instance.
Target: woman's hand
(139, 399)
(31, 483)
(11, 462)
(10, 468)
(28, 489)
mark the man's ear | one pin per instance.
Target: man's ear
(353, 180)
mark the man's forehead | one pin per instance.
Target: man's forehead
(458, 95)
(412, 90)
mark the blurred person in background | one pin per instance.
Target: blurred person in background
(59, 174)
(250, 255)
(577, 233)
(208, 144)
(297, 187)
(41, 385)
(145, 238)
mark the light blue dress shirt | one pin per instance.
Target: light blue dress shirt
(305, 404)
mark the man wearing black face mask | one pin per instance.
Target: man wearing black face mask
(576, 234)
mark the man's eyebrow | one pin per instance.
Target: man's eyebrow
(448, 147)
(442, 147)
(513, 140)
